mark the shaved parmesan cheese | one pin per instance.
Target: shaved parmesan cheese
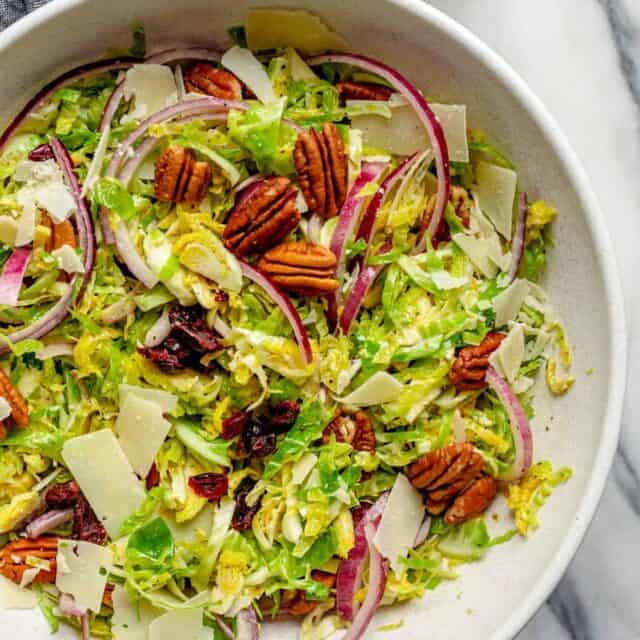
(477, 250)
(276, 28)
(82, 572)
(248, 68)
(507, 358)
(496, 191)
(404, 134)
(166, 401)
(13, 597)
(68, 259)
(299, 69)
(105, 476)
(130, 621)
(32, 171)
(508, 302)
(401, 520)
(445, 281)
(185, 624)
(5, 409)
(153, 87)
(381, 387)
(29, 576)
(141, 430)
(8, 230)
(27, 220)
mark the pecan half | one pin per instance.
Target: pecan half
(60, 234)
(356, 429)
(295, 602)
(473, 501)
(263, 218)
(14, 555)
(203, 77)
(18, 405)
(179, 177)
(301, 267)
(363, 91)
(461, 201)
(470, 367)
(448, 478)
(321, 164)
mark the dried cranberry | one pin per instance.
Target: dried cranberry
(211, 486)
(284, 415)
(259, 439)
(153, 477)
(61, 496)
(41, 153)
(86, 525)
(243, 513)
(189, 323)
(234, 424)
(220, 296)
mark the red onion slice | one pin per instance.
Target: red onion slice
(377, 581)
(424, 112)
(13, 276)
(85, 623)
(367, 225)
(517, 246)
(159, 331)
(423, 532)
(111, 107)
(224, 626)
(134, 261)
(55, 350)
(520, 426)
(282, 300)
(222, 327)
(184, 53)
(358, 292)
(247, 625)
(73, 75)
(349, 576)
(47, 521)
(68, 606)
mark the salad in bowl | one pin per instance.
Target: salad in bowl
(272, 335)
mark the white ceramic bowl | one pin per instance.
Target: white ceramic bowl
(497, 596)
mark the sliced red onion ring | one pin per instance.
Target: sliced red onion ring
(517, 246)
(13, 276)
(245, 184)
(377, 581)
(520, 427)
(358, 292)
(423, 532)
(74, 75)
(47, 521)
(85, 624)
(184, 53)
(424, 113)
(282, 300)
(349, 576)
(134, 261)
(222, 327)
(247, 625)
(224, 626)
(68, 606)
(159, 331)
(367, 225)
(111, 107)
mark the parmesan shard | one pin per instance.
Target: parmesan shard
(507, 358)
(496, 192)
(507, 303)
(166, 401)
(68, 260)
(381, 387)
(13, 597)
(477, 250)
(105, 476)
(141, 430)
(83, 569)
(248, 68)
(153, 87)
(183, 624)
(276, 28)
(402, 517)
(130, 621)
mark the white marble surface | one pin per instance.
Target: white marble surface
(582, 57)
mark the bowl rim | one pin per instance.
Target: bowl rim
(595, 221)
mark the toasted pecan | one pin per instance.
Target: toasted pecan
(263, 218)
(301, 267)
(461, 202)
(13, 558)
(349, 90)
(203, 77)
(295, 602)
(448, 474)
(179, 177)
(19, 408)
(469, 369)
(356, 429)
(321, 164)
